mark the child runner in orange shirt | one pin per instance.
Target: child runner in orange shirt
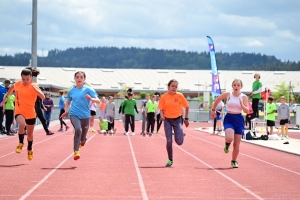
(170, 106)
(26, 93)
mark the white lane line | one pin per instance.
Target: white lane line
(140, 179)
(266, 162)
(49, 174)
(33, 144)
(227, 177)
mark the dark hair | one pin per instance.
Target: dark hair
(270, 98)
(171, 81)
(42, 88)
(80, 72)
(34, 72)
(61, 92)
(130, 94)
(157, 94)
(129, 90)
(26, 72)
(7, 81)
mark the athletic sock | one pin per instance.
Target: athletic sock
(227, 144)
(29, 145)
(21, 138)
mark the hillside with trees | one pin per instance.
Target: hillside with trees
(143, 58)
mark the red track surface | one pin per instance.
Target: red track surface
(132, 167)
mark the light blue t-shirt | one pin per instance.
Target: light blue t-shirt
(62, 102)
(81, 105)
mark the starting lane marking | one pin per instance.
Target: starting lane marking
(50, 173)
(138, 172)
(266, 162)
(227, 177)
(33, 144)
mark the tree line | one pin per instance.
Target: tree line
(145, 58)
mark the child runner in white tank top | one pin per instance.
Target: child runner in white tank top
(233, 121)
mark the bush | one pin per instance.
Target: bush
(143, 95)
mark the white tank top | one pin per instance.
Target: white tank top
(233, 103)
(92, 106)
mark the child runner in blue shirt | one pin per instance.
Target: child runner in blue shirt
(80, 96)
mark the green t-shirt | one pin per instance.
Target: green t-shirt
(103, 125)
(9, 105)
(255, 86)
(270, 108)
(129, 106)
(151, 107)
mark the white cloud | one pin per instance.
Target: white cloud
(235, 26)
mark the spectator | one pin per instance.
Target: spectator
(48, 103)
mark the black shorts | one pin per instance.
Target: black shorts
(93, 112)
(270, 123)
(28, 121)
(284, 121)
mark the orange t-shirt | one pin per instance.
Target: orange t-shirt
(25, 100)
(102, 105)
(171, 105)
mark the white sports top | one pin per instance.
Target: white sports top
(233, 103)
(92, 106)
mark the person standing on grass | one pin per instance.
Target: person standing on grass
(284, 117)
(48, 103)
(80, 95)
(62, 110)
(170, 106)
(128, 110)
(26, 94)
(144, 114)
(150, 112)
(237, 102)
(256, 94)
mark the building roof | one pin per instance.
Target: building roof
(190, 81)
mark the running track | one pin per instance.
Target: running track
(132, 167)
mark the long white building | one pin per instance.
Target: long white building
(112, 81)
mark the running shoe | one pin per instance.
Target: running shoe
(286, 136)
(92, 130)
(132, 133)
(169, 163)
(19, 148)
(61, 130)
(144, 134)
(226, 148)
(30, 154)
(67, 127)
(234, 164)
(150, 134)
(126, 133)
(282, 137)
(76, 155)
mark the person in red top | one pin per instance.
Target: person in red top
(170, 105)
(26, 93)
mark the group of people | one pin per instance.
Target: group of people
(171, 109)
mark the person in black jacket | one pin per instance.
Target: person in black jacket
(39, 113)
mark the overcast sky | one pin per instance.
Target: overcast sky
(268, 27)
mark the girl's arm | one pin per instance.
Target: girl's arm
(136, 110)
(244, 104)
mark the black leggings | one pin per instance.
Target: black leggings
(111, 123)
(60, 119)
(150, 121)
(40, 115)
(9, 116)
(158, 122)
(129, 119)
(255, 108)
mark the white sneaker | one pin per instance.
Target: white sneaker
(126, 133)
(132, 133)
